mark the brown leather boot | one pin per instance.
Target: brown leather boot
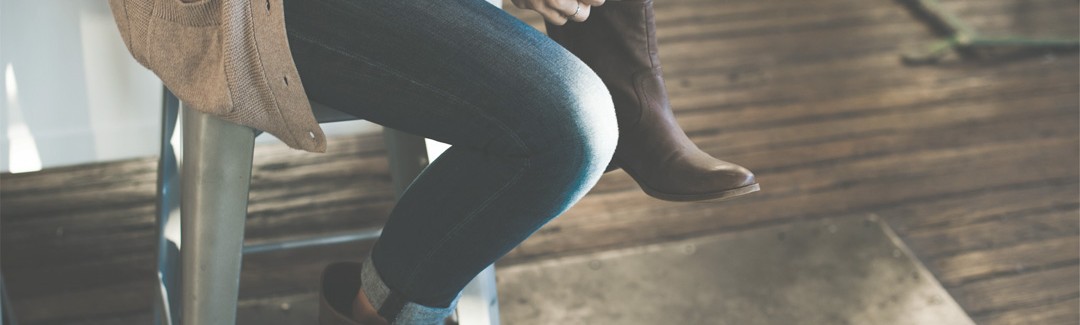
(339, 285)
(618, 41)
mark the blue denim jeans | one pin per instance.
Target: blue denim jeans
(531, 129)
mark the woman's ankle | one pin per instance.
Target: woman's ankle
(364, 312)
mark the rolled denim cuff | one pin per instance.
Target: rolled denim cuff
(407, 312)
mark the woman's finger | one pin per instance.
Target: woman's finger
(594, 3)
(559, 12)
(566, 8)
(582, 14)
(551, 15)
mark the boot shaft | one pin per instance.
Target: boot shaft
(617, 35)
(618, 41)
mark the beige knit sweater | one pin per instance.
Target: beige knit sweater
(227, 58)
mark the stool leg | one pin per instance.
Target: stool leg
(479, 302)
(167, 307)
(216, 174)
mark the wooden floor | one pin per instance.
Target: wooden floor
(973, 161)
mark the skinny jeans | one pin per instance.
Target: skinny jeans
(531, 129)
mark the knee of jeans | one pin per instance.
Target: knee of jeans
(600, 123)
(588, 131)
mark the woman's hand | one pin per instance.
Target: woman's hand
(556, 11)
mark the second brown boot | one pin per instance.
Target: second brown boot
(618, 41)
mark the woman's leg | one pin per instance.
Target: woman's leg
(531, 129)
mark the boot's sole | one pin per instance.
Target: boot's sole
(705, 197)
(695, 197)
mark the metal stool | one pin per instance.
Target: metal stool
(214, 185)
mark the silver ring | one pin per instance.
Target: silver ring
(575, 10)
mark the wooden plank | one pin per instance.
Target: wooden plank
(942, 242)
(989, 205)
(897, 131)
(1028, 255)
(1026, 290)
(918, 89)
(1058, 312)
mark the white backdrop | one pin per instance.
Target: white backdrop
(71, 92)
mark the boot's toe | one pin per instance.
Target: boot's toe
(726, 177)
(743, 176)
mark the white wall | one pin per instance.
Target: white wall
(69, 95)
(72, 94)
